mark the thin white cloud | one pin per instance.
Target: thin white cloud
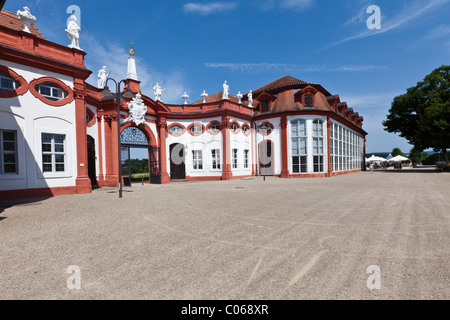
(209, 8)
(286, 67)
(115, 58)
(438, 32)
(409, 14)
(297, 5)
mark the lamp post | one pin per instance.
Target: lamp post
(108, 94)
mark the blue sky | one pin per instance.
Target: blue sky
(195, 45)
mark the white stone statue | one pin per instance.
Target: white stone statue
(102, 76)
(185, 96)
(250, 99)
(137, 110)
(73, 32)
(27, 18)
(204, 95)
(239, 96)
(225, 90)
(158, 91)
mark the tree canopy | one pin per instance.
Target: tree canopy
(397, 152)
(422, 114)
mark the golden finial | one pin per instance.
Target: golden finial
(132, 49)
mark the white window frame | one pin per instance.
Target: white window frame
(234, 158)
(246, 158)
(53, 153)
(15, 84)
(197, 160)
(215, 159)
(318, 146)
(54, 89)
(302, 153)
(4, 152)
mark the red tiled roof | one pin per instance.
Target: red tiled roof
(10, 20)
(216, 97)
(286, 81)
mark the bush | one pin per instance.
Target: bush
(432, 159)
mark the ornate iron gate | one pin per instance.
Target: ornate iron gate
(133, 137)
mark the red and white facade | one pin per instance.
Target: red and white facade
(60, 136)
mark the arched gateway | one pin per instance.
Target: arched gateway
(133, 137)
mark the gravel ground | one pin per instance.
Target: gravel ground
(242, 239)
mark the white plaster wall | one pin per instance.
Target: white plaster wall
(204, 142)
(275, 137)
(31, 117)
(241, 142)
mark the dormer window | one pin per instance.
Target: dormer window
(265, 106)
(309, 101)
(7, 83)
(51, 91)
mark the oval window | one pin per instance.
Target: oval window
(215, 127)
(7, 83)
(244, 128)
(196, 129)
(176, 129)
(51, 91)
(234, 127)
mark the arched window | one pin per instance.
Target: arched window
(51, 91)
(298, 146)
(318, 153)
(7, 83)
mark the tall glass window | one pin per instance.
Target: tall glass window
(298, 146)
(318, 145)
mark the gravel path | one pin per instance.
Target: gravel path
(242, 239)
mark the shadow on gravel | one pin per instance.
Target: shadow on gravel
(4, 204)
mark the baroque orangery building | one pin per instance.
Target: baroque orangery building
(59, 134)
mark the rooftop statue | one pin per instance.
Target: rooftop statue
(102, 76)
(73, 32)
(225, 90)
(239, 96)
(250, 99)
(158, 91)
(27, 18)
(204, 95)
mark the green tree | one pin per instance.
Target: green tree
(416, 155)
(397, 152)
(422, 114)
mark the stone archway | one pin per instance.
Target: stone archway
(139, 137)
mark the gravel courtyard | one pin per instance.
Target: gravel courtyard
(241, 239)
